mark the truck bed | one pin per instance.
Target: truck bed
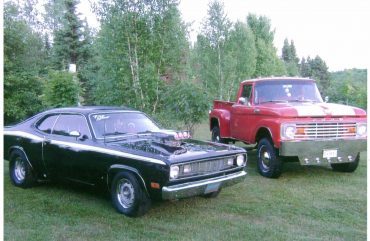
(223, 105)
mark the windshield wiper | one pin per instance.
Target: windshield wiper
(114, 133)
(273, 101)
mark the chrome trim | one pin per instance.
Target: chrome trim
(198, 187)
(22, 150)
(87, 147)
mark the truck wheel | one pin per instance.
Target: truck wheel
(20, 171)
(346, 167)
(127, 195)
(268, 162)
(216, 135)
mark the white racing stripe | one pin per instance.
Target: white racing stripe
(86, 147)
(324, 109)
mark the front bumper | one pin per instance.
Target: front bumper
(311, 152)
(201, 187)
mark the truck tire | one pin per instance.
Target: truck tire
(268, 163)
(216, 135)
(346, 167)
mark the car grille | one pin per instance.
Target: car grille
(207, 167)
(325, 130)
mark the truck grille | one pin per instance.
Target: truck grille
(207, 167)
(325, 130)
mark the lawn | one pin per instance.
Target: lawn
(305, 203)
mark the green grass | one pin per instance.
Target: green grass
(305, 203)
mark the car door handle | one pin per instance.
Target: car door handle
(256, 110)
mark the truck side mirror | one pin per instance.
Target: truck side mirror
(242, 100)
(326, 99)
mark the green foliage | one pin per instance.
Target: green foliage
(186, 103)
(268, 62)
(290, 58)
(60, 90)
(21, 96)
(349, 87)
(316, 68)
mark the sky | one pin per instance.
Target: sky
(338, 31)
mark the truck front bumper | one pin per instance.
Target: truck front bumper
(201, 187)
(312, 152)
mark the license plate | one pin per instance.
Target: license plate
(212, 188)
(330, 153)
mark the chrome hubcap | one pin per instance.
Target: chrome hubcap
(125, 193)
(265, 158)
(19, 169)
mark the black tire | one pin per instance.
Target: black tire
(212, 194)
(128, 197)
(20, 171)
(268, 163)
(216, 135)
(346, 167)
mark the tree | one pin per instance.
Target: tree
(317, 69)
(23, 62)
(289, 56)
(267, 61)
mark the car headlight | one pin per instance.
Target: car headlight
(174, 172)
(240, 160)
(187, 169)
(361, 129)
(288, 131)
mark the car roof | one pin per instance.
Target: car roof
(87, 109)
(277, 78)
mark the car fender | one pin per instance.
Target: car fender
(19, 148)
(116, 167)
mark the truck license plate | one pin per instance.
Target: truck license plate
(212, 188)
(330, 153)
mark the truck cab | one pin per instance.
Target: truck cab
(286, 117)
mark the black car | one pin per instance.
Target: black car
(122, 148)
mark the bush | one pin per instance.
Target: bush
(61, 90)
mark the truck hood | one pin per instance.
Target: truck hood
(309, 109)
(163, 146)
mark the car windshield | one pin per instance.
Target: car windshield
(121, 123)
(286, 91)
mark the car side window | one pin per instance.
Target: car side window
(46, 125)
(67, 123)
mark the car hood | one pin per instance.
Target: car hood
(163, 146)
(309, 109)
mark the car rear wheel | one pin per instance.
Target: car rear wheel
(128, 196)
(346, 167)
(268, 162)
(216, 135)
(20, 171)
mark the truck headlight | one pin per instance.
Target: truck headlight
(174, 172)
(361, 129)
(240, 160)
(288, 131)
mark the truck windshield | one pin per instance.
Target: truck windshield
(286, 91)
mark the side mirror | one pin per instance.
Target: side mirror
(242, 100)
(74, 134)
(326, 99)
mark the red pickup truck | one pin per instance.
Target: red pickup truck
(286, 117)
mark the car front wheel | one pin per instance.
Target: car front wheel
(268, 163)
(128, 196)
(20, 171)
(346, 167)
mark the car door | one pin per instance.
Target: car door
(241, 114)
(66, 154)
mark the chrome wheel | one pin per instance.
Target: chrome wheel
(265, 158)
(19, 169)
(125, 193)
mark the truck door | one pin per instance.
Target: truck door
(241, 113)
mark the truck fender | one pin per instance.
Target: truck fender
(222, 119)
